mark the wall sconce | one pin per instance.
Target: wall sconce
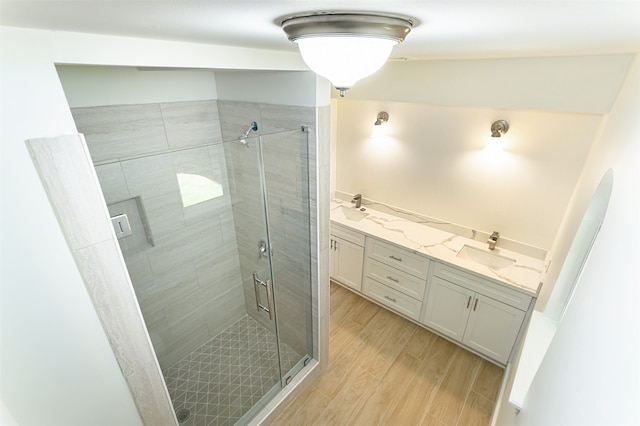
(499, 128)
(345, 47)
(382, 117)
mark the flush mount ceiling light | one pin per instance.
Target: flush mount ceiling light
(499, 128)
(345, 47)
(382, 117)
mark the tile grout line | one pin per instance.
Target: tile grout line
(475, 373)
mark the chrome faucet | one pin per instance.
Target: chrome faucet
(357, 199)
(493, 239)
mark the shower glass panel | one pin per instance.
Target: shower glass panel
(219, 257)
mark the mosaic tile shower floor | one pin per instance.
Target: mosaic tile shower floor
(220, 381)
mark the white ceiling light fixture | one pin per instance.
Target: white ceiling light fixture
(346, 47)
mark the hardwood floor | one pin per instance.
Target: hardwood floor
(385, 370)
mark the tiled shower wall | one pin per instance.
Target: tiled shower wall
(287, 157)
(186, 300)
(183, 261)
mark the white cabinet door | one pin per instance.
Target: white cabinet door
(493, 328)
(448, 307)
(346, 262)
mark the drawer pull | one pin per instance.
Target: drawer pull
(399, 259)
(475, 305)
(469, 302)
(391, 298)
(395, 280)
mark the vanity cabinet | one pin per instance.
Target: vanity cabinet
(395, 277)
(475, 312)
(346, 256)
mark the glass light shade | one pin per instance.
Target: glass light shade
(345, 60)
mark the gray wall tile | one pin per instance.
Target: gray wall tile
(114, 186)
(120, 131)
(71, 184)
(191, 123)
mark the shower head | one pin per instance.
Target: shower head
(243, 138)
(252, 127)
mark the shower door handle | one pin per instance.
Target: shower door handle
(257, 282)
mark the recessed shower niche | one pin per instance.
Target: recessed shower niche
(221, 253)
(134, 236)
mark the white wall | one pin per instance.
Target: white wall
(269, 87)
(57, 365)
(87, 86)
(569, 84)
(432, 161)
(591, 373)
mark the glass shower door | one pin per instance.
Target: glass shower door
(285, 161)
(272, 222)
(249, 218)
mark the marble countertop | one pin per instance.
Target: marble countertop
(525, 274)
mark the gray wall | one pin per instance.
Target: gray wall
(183, 261)
(187, 299)
(286, 168)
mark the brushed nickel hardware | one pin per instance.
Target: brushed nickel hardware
(469, 302)
(399, 259)
(357, 200)
(262, 249)
(475, 305)
(391, 298)
(395, 280)
(257, 282)
(382, 117)
(493, 240)
(268, 286)
(499, 128)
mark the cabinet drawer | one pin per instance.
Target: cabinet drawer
(474, 282)
(399, 258)
(347, 234)
(396, 279)
(395, 300)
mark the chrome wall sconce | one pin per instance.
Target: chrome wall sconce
(499, 128)
(382, 117)
(345, 47)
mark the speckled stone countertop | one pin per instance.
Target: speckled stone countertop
(525, 274)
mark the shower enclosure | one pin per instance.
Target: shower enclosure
(216, 238)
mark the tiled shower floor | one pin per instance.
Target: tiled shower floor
(220, 381)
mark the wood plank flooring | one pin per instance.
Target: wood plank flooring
(385, 370)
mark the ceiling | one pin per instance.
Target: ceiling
(444, 28)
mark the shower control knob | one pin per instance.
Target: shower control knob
(262, 249)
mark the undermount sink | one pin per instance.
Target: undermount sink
(352, 213)
(485, 257)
